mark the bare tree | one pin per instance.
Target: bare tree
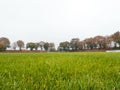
(116, 38)
(2, 46)
(4, 43)
(89, 43)
(64, 46)
(36, 46)
(74, 42)
(30, 45)
(46, 46)
(99, 41)
(20, 44)
(14, 45)
(107, 42)
(41, 44)
(80, 45)
(51, 46)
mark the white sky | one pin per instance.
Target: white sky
(58, 20)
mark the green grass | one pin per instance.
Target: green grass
(59, 71)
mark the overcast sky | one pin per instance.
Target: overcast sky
(58, 20)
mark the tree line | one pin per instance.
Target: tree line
(44, 46)
(98, 42)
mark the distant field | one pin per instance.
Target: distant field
(60, 71)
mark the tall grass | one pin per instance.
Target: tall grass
(59, 71)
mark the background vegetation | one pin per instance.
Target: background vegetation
(98, 42)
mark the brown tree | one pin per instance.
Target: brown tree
(20, 44)
(89, 43)
(4, 43)
(99, 41)
(107, 42)
(116, 38)
(80, 45)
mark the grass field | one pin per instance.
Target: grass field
(60, 71)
